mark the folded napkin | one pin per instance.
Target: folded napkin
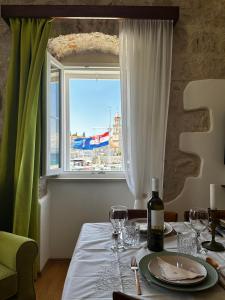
(171, 272)
(221, 280)
(220, 270)
(221, 273)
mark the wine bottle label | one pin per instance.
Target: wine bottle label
(157, 219)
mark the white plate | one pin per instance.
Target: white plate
(143, 226)
(168, 228)
(184, 262)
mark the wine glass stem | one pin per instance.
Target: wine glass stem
(198, 242)
(120, 242)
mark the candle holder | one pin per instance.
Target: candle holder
(213, 245)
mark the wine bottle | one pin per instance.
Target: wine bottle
(155, 219)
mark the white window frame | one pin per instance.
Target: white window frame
(95, 72)
(104, 71)
(50, 60)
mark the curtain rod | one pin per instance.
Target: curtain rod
(91, 11)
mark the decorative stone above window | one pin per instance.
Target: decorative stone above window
(65, 45)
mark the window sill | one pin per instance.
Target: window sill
(91, 177)
(75, 179)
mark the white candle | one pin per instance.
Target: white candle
(212, 196)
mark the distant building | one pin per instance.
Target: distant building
(115, 141)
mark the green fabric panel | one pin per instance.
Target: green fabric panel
(9, 135)
(8, 282)
(28, 159)
(20, 149)
(43, 119)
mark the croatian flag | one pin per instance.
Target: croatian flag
(92, 142)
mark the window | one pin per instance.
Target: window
(53, 157)
(84, 123)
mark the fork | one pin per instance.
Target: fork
(134, 267)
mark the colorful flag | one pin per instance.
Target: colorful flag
(92, 142)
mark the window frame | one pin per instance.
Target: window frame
(111, 70)
(50, 60)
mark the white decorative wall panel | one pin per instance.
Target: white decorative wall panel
(210, 145)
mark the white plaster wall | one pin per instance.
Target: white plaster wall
(76, 202)
(44, 204)
(210, 146)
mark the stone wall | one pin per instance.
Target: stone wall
(198, 53)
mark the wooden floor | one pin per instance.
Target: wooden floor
(49, 285)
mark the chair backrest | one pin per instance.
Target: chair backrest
(220, 214)
(169, 216)
(186, 215)
(121, 296)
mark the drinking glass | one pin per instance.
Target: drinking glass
(199, 219)
(131, 234)
(118, 215)
(186, 242)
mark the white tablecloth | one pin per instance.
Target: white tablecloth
(95, 271)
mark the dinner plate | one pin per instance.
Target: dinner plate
(178, 261)
(209, 281)
(168, 228)
(143, 226)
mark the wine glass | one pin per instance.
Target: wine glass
(118, 215)
(199, 219)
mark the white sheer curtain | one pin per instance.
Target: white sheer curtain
(145, 62)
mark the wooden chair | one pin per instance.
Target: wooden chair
(186, 215)
(121, 296)
(220, 214)
(169, 216)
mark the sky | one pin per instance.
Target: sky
(92, 102)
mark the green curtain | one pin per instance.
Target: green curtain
(20, 146)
